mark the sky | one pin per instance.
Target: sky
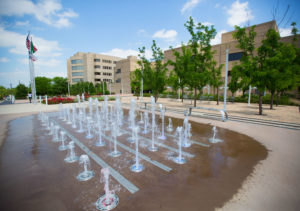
(59, 29)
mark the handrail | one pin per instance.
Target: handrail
(222, 111)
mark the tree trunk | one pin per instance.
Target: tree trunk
(214, 90)
(182, 95)
(272, 98)
(195, 96)
(277, 99)
(155, 98)
(218, 96)
(260, 103)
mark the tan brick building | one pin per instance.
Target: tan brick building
(122, 74)
(235, 54)
(91, 67)
(98, 67)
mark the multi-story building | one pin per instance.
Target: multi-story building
(235, 54)
(91, 67)
(122, 74)
(98, 67)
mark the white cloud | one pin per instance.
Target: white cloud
(207, 23)
(49, 63)
(16, 44)
(22, 23)
(217, 39)
(285, 32)
(168, 35)
(50, 12)
(123, 53)
(142, 32)
(189, 5)
(4, 59)
(239, 13)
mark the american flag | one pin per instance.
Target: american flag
(28, 42)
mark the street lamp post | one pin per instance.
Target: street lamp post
(226, 75)
(142, 83)
(68, 88)
(249, 95)
(109, 88)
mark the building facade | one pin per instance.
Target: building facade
(96, 68)
(235, 54)
(91, 67)
(122, 75)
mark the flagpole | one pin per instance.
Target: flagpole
(31, 68)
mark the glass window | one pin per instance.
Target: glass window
(96, 60)
(77, 74)
(77, 67)
(106, 61)
(76, 61)
(118, 80)
(97, 79)
(77, 79)
(235, 56)
(97, 66)
(97, 73)
(118, 71)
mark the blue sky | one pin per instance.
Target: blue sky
(59, 29)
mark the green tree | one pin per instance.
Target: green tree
(216, 77)
(234, 84)
(59, 86)
(201, 35)
(43, 85)
(135, 81)
(154, 74)
(251, 69)
(181, 66)
(3, 92)
(21, 91)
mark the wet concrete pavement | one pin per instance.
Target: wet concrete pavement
(34, 175)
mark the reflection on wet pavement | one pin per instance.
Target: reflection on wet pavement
(34, 176)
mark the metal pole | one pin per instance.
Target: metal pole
(69, 88)
(179, 90)
(109, 88)
(249, 95)
(142, 83)
(103, 87)
(226, 73)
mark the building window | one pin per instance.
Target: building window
(107, 80)
(77, 67)
(106, 61)
(115, 62)
(118, 71)
(235, 56)
(97, 66)
(96, 60)
(76, 61)
(229, 73)
(77, 74)
(77, 79)
(118, 80)
(97, 80)
(106, 67)
(97, 73)
(109, 74)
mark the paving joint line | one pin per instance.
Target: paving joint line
(115, 174)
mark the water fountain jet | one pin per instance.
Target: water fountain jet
(86, 174)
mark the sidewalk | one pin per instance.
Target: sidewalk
(280, 113)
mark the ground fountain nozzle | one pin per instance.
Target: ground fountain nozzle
(86, 174)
